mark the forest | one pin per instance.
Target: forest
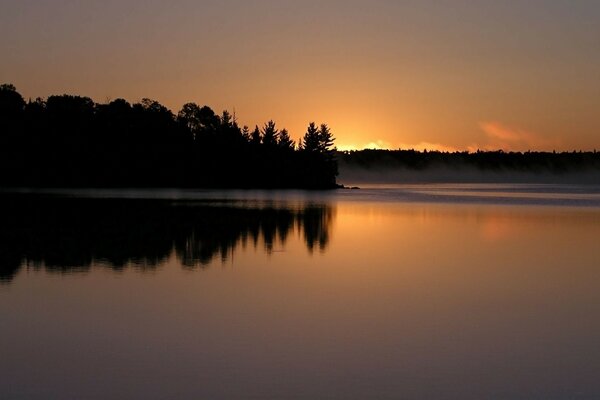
(71, 141)
(483, 161)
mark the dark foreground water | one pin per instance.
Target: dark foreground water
(424, 291)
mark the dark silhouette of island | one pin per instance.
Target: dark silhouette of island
(70, 141)
(73, 234)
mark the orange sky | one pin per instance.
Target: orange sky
(515, 75)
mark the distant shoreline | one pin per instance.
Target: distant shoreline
(409, 166)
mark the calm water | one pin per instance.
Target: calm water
(423, 291)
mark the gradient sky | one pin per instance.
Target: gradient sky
(516, 75)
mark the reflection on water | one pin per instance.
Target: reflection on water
(414, 295)
(69, 234)
(493, 194)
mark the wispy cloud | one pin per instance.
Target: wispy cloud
(503, 137)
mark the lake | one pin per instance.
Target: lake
(401, 291)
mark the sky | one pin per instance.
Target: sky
(446, 75)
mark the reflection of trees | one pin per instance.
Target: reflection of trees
(68, 234)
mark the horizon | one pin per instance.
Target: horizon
(422, 147)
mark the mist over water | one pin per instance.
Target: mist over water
(392, 291)
(515, 194)
(356, 176)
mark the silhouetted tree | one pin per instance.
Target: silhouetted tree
(326, 139)
(319, 160)
(189, 115)
(246, 133)
(270, 134)
(311, 140)
(12, 103)
(209, 121)
(256, 137)
(285, 142)
(71, 141)
(328, 152)
(227, 119)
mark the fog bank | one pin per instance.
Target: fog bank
(355, 176)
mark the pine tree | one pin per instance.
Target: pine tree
(270, 134)
(310, 141)
(246, 133)
(326, 140)
(255, 137)
(285, 142)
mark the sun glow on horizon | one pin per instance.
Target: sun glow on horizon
(382, 145)
(389, 75)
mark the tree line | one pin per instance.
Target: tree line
(493, 161)
(71, 141)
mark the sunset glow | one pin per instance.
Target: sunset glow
(384, 74)
(307, 199)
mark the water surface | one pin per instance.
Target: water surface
(421, 291)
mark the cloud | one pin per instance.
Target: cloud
(503, 137)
